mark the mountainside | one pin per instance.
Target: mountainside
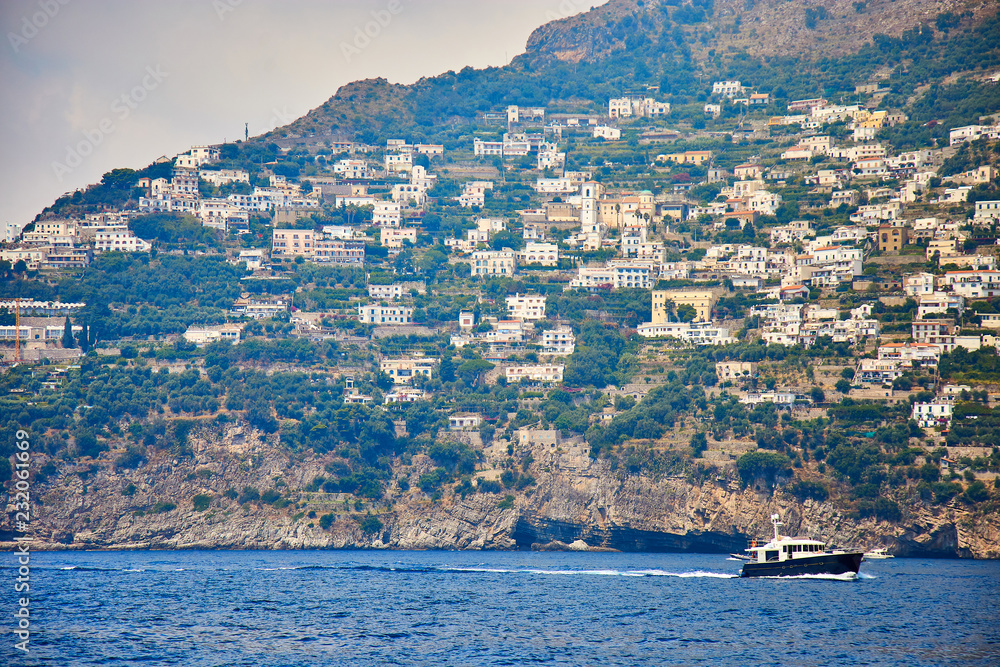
(818, 28)
(675, 50)
(171, 503)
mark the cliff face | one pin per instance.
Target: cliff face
(575, 499)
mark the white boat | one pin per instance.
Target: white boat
(793, 556)
(878, 554)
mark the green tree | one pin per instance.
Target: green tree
(68, 340)
(83, 338)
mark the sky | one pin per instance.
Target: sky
(91, 86)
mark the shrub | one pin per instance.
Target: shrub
(803, 489)
(249, 494)
(945, 491)
(163, 506)
(763, 465)
(506, 503)
(129, 490)
(699, 443)
(326, 521)
(489, 486)
(201, 502)
(432, 481)
(133, 457)
(976, 492)
(270, 497)
(882, 510)
(370, 525)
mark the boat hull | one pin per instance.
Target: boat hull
(820, 564)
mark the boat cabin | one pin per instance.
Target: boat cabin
(783, 548)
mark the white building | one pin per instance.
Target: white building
(119, 239)
(928, 415)
(544, 254)
(493, 262)
(559, 341)
(526, 306)
(385, 315)
(201, 336)
(607, 133)
(727, 88)
(386, 214)
(694, 333)
(537, 373)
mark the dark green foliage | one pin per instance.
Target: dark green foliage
(370, 525)
(326, 521)
(432, 481)
(699, 443)
(881, 509)
(489, 486)
(163, 507)
(857, 462)
(249, 495)
(804, 488)
(766, 466)
(507, 503)
(201, 502)
(457, 457)
(173, 229)
(596, 360)
(134, 456)
(976, 492)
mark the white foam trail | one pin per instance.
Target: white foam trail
(604, 573)
(70, 567)
(847, 576)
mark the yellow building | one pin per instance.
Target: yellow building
(701, 300)
(688, 157)
(891, 238)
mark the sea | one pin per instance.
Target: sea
(285, 608)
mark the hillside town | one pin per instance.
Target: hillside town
(800, 231)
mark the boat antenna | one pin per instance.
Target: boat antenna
(776, 521)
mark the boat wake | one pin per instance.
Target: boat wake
(847, 576)
(405, 568)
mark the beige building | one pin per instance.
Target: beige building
(393, 237)
(701, 300)
(540, 373)
(292, 242)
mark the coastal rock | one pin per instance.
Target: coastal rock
(576, 504)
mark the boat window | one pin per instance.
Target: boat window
(770, 555)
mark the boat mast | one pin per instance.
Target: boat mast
(776, 521)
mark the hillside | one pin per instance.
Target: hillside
(435, 345)
(675, 50)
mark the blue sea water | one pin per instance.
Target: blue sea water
(263, 609)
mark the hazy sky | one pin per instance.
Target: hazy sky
(88, 86)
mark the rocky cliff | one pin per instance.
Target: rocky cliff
(96, 504)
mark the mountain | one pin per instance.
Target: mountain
(675, 49)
